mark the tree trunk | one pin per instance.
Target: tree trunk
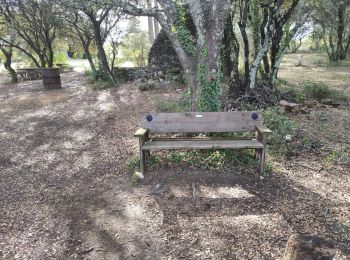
(86, 46)
(262, 38)
(106, 71)
(340, 32)
(305, 247)
(8, 62)
(230, 56)
(51, 56)
(150, 24)
(156, 24)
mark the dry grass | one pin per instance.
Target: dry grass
(315, 67)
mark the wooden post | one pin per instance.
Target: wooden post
(305, 247)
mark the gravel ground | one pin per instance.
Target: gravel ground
(65, 192)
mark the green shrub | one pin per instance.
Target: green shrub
(208, 160)
(175, 106)
(60, 58)
(341, 157)
(320, 91)
(284, 131)
(133, 164)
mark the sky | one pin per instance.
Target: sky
(144, 23)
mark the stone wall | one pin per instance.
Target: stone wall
(162, 56)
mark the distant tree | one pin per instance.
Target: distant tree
(332, 24)
(135, 48)
(103, 17)
(7, 49)
(37, 24)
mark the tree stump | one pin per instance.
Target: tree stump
(305, 247)
(287, 107)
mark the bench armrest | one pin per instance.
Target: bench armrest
(263, 129)
(141, 132)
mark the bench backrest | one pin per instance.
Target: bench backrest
(209, 122)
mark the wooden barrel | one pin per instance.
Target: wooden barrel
(51, 78)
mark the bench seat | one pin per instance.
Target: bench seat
(202, 144)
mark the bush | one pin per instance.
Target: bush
(173, 106)
(284, 131)
(320, 91)
(220, 160)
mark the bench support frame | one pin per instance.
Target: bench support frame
(261, 136)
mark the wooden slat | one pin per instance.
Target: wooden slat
(174, 145)
(140, 132)
(201, 122)
(263, 129)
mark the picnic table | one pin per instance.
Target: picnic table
(64, 67)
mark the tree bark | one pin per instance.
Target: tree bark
(101, 52)
(150, 24)
(230, 56)
(8, 62)
(243, 27)
(305, 247)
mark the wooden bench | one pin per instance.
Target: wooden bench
(153, 125)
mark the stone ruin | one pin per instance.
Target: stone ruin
(162, 56)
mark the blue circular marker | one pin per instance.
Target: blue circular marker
(255, 116)
(149, 118)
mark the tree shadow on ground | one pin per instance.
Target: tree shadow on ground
(183, 201)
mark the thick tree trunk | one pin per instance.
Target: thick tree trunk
(305, 247)
(230, 56)
(51, 56)
(106, 71)
(8, 62)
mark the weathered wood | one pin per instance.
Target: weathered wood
(140, 132)
(305, 247)
(174, 145)
(51, 78)
(202, 122)
(263, 129)
(288, 107)
(200, 138)
(168, 123)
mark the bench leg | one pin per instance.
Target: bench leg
(262, 161)
(257, 154)
(143, 157)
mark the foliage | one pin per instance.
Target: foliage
(221, 160)
(181, 105)
(60, 58)
(135, 48)
(183, 33)
(320, 91)
(133, 164)
(341, 157)
(284, 131)
(210, 87)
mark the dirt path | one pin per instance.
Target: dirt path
(65, 193)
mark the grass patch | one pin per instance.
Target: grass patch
(340, 157)
(219, 160)
(173, 106)
(310, 90)
(284, 131)
(321, 91)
